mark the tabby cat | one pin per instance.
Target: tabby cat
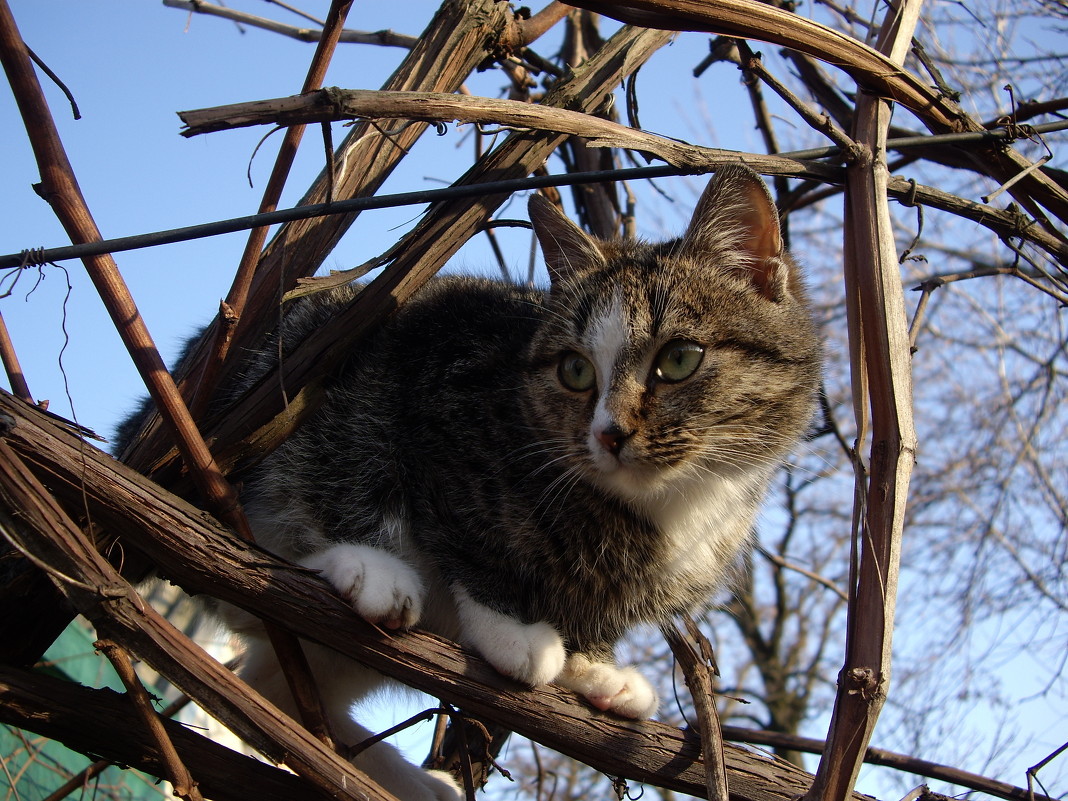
(533, 473)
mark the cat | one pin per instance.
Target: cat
(533, 473)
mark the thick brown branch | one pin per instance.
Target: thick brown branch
(881, 372)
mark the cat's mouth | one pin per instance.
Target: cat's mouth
(617, 464)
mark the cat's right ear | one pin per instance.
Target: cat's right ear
(736, 215)
(567, 248)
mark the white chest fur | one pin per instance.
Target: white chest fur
(705, 520)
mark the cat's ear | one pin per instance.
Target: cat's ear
(737, 216)
(567, 248)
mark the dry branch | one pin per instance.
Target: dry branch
(384, 38)
(892, 759)
(337, 104)
(881, 371)
(174, 769)
(59, 187)
(236, 299)
(766, 23)
(698, 672)
(203, 556)
(100, 722)
(871, 70)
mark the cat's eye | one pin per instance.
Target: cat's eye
(677, 361)
(576, 372)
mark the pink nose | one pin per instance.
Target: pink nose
(612, 438)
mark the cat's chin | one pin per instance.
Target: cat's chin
(631, 482)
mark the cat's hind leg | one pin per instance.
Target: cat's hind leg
(532, 653)
(610, 688)
(382, 587)
(340, 682)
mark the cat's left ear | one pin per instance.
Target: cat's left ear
(567, 248)
(736, 215)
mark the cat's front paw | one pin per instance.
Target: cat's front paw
(381, 587)
(610, 688)
(532, 653)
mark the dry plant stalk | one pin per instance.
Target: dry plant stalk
(185, 786)
(15, 376)
(697, 668)
(880, 360)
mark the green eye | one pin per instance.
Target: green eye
(677, 361)
(576, 372)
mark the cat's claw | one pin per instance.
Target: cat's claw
(610, 688)
(381, 587)
(532, 653)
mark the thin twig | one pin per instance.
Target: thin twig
(177, 773)
(1032, 772)
(202, 386)
(697, 670)
(816, 577)
(384, 38)
(753, 64)
(421, 717)
(74, 110)
(15, 376)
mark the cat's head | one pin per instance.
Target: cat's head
(694, 357)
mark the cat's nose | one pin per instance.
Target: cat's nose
(612, 438)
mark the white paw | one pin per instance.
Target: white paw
(381, 587)
(610, 688)
(532, 653)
